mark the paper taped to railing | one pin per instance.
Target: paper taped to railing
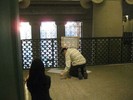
(57, 70)
(70, 42)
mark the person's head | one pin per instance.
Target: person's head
(37, 67)
(63, 50)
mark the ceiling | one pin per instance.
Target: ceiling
(53, 1)
(127, 9)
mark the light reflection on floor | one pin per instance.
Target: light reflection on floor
(27, 94)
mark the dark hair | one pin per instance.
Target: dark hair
(63, 49)
(37, 67)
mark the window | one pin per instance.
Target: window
(73, 28)
(25, 30)
(25, 36)
(48, 31)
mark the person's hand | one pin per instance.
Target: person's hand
(62, 73)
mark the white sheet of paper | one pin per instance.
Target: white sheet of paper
(88, 71)
(58, 71)
(55, 70)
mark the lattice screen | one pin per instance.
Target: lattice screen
(27, 54)
(96, 51)
(49, 52)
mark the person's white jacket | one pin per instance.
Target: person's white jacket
(73, 57)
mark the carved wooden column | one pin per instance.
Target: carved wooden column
(60, 33)
(60, 29)
(36, 39)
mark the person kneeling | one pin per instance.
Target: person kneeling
(75, 64)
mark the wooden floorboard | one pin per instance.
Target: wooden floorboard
(105, 82)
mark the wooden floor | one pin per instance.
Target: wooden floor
(105, 82)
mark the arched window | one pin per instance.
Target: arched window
(25, 30)
(48, 30)
(73, 28)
